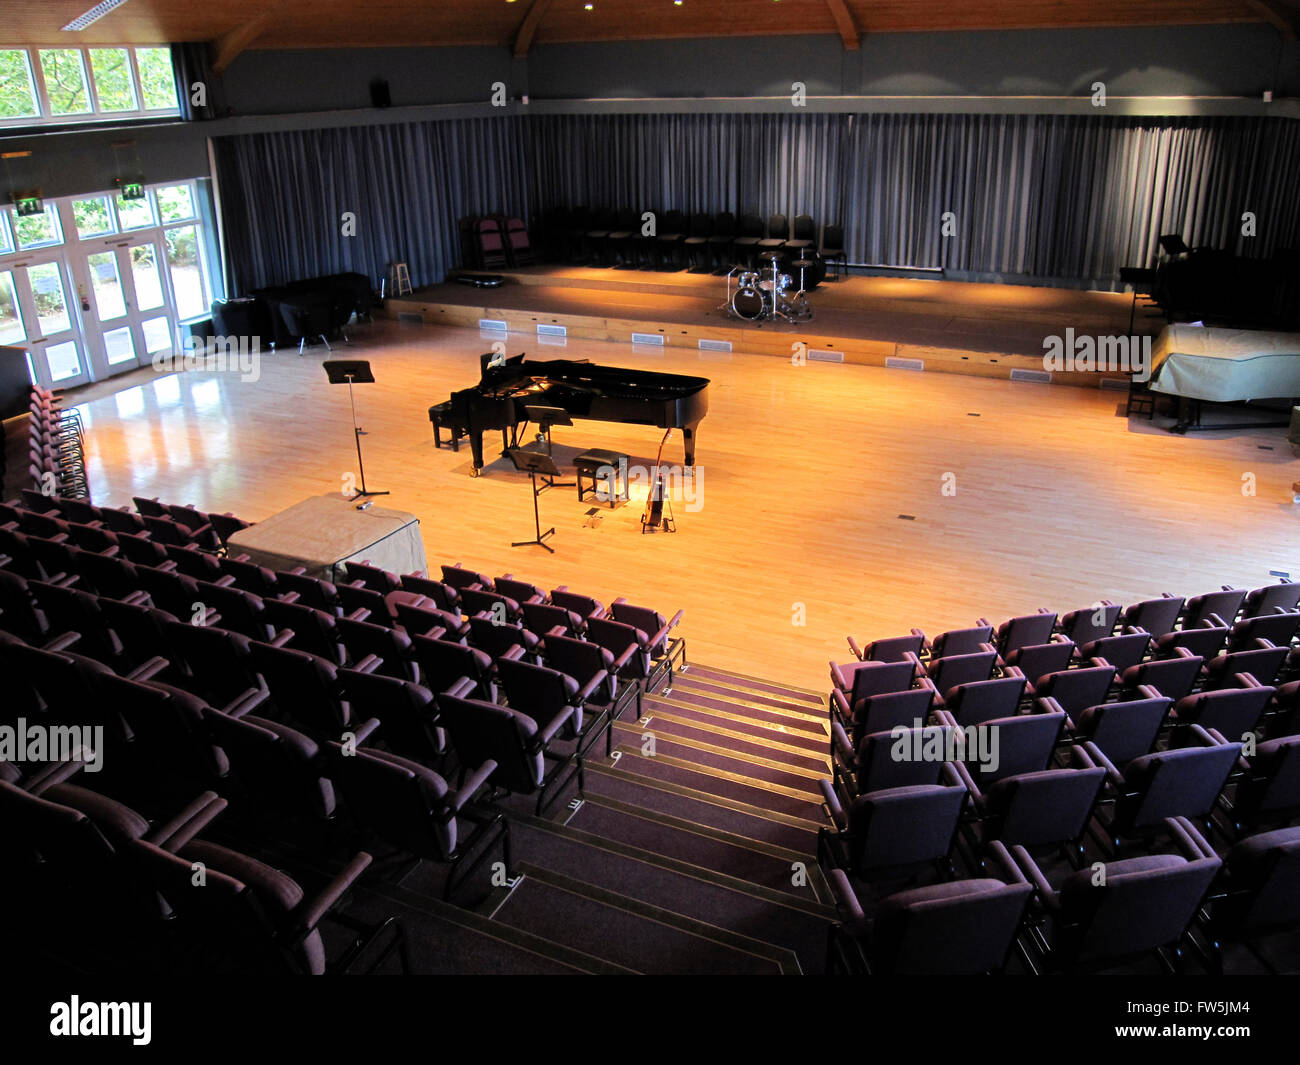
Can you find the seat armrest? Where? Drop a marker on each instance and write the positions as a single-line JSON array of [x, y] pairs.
[[178, 830], [1000, 859], [360, 614], [547, 733], [54, 773], [461, 688], [833, 806], [841, 704], [623, 659], [246, 702], [365, 730], [668, 627], [962, 774], [846, 900], [514, 652], [150, 669], [585, 692], [840, 742], [1188, 840], [369, 664], [853, 646], [282, 637], [1029, 868], [1091, 756], [470, 788], [329, 896], [62, 642]]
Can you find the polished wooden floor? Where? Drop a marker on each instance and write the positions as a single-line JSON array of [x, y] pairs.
[[833, 498]]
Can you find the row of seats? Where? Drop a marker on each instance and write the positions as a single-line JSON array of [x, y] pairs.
[[700, 242], [490, 242], [1170, 722], [370, 702], [56, 447]]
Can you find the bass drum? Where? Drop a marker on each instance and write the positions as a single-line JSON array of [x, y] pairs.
[[748, 303]]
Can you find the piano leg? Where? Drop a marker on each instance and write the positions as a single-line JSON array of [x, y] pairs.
[[688, 435], [476, 446]]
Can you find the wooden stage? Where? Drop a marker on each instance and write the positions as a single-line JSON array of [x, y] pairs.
[[982, 330], [834, 498]]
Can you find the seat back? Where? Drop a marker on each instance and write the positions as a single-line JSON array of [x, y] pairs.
[[481, 731], [1173, 677], [893, 648], [399, 800], [1036, 660], [985, 700], [647, 621], [1233, 712], [276, 765], [887, 710], [1122, 651], [219, 662], [903, 826], [303, 687], [950, 671], [443, 662], [1048, 806], [1076, 689], [1126, 730], [1267, 867], [1024, 745], [616, 638], [1269, 598], [1224, 604], [539, 691], [961, 641], [1279, 629], [962, 928], [1178, 783], [405, 710], [877, 678], [1025, 630], [1145, 903], [1273, 785], [1262, 663], [886, 759], [1156, 616]]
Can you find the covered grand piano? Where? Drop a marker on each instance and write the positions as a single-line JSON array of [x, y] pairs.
[[583, 389]]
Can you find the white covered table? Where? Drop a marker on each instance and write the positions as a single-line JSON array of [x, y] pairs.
[[325, 532]]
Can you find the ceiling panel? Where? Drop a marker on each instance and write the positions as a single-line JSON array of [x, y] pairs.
[[350, 23]]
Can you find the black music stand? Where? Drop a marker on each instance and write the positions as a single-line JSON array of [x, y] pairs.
[[545, 417], [348, 371], [533, 463]]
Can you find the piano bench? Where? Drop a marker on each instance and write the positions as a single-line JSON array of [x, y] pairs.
[[589, 466], [440, 416]]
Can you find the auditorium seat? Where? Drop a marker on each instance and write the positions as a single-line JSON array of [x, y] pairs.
[[963, 928], [406, 712], [1024, 630], [1145, 907], [543, 693], [1234, 712], [1124, 730], [444, 662], [1156, 616], [1284, 595]]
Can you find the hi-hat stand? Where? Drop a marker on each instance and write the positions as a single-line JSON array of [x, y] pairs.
[[349, 371], [534, 463]]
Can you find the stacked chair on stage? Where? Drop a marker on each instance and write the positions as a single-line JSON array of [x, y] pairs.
[[1111, 787], [56, 447], [408, 715]]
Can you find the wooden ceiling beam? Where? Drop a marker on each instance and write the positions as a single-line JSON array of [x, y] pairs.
[[528, 28], [226, 48], [844, 23], [1282, 17]]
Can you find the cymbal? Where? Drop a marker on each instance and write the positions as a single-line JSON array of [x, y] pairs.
[[769, 255]]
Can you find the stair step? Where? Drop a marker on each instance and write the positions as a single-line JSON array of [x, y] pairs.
[[701, 897], [704, 807], [670, 740], [801, 804], [796, 723], [744, 697], [664, 719], [629, 933], [742, 726], [743, 680]]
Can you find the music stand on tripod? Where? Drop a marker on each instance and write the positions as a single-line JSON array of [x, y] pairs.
[[545, 417], [348, 371], [533, 463]]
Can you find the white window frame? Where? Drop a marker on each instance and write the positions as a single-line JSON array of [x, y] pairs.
[[96, 113]]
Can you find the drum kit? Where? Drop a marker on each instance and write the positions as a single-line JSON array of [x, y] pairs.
[[769, 293]]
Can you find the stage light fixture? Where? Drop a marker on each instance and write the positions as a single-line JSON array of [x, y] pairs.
[[93, 15]]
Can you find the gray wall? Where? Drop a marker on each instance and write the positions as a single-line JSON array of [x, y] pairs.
[[302, 87], [1234, 60]]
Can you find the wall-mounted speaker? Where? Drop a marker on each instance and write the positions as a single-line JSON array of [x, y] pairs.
[[379, 94]]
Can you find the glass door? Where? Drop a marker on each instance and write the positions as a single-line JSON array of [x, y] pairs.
[[126, 308], [40, 317]]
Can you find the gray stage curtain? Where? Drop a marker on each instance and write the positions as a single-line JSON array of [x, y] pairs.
[[283, 196], [1070, 198]]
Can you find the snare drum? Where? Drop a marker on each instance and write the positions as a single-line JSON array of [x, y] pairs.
[[747, 279]]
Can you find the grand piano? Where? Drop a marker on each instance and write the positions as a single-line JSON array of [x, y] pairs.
[[583, 389]]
